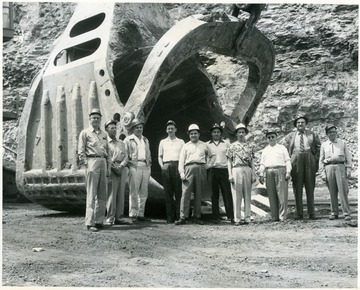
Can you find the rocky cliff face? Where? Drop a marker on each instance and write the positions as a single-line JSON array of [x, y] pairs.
[[316, 70]]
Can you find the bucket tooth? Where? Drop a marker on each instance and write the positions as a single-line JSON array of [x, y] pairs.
[[61, 128], [77, 122], [46, 130], [93, 97]]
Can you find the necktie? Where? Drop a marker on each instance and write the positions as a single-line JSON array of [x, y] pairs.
[[302, 147]]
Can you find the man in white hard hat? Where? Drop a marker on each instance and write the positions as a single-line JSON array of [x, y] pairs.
[[94, 154], [139, 155], [195, 158], [241, 173], [169, 152]]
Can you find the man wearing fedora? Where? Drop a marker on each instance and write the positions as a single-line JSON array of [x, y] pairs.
[[241, 170], [335, 168], [118, 178], [94, 154], [168, 157], [303, 146], [139, 155], [218, 174], [275, 166], [195, 158]]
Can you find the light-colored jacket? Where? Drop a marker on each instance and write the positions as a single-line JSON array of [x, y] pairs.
[[132, 149]]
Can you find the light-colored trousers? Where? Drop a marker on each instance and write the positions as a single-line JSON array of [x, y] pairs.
[[337, 184], [116, 195], [241, 189], [195, 181], [96, 191], [138, 189], [277, 189]]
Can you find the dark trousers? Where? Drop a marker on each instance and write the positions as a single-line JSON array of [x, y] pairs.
[[172, 187], [303, 173], [219, 178]]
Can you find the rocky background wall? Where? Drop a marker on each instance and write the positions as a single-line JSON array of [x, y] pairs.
[[316, 70]]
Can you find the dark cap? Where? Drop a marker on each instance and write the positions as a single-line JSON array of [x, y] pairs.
[[270, 131], [328, 127], [110, 122], [170, 122], [301, 117], [216, 126], [95, 111]]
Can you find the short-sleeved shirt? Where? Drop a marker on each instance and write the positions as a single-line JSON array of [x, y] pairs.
[[219, 150], [198, 152], [273, 156], [336, 151], [169, 149], [240, 154]]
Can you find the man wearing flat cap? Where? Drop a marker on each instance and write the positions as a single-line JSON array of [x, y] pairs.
[[94, 154], [118, 178], [139, 155], [195, 158], [275, 166], [241, 170], [218, 174], [168, 157], [335, 168], [303, 146]]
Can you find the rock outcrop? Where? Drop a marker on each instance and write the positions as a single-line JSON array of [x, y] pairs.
[[316, 70]]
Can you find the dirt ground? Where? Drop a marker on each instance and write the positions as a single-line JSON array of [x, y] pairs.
[[263, 254]]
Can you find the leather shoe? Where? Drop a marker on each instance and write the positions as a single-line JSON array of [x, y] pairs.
[[92, 229], [312, 217], [180, 222], [99, 226], [143, 219], [198, 221], [216, 221], [347, 218], [333, 217], [121, 222], [236, 224], [299, 217]]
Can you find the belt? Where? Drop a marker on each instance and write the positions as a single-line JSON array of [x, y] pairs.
[[142, 160], [335, 162], [298, 151], [117, 161], [241, 165], [94, 156], [195, 163], [172, 161], [275, 167]]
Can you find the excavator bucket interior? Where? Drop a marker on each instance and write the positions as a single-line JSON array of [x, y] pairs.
[[106, 60]]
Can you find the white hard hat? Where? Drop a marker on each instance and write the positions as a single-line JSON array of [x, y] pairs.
[[193, 127], [241, 126]]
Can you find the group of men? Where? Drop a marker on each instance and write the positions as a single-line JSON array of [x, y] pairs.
[[196, 167]]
